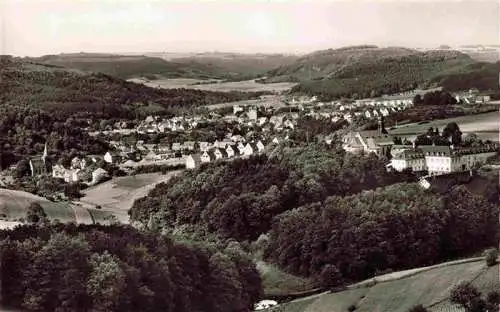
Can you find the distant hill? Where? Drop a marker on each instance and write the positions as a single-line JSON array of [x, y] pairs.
[[24, 83], [131, 66], [369, 71], [234, 66]]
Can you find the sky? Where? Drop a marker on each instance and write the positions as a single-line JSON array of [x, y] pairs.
[[38, 27]]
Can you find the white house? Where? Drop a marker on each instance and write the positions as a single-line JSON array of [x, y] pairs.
[[230, 151], [260, 146], [207, 157], [98, 175], [77, 163], [111, 157], [252, 114], [193, 161], [413, 159], [58, 171]]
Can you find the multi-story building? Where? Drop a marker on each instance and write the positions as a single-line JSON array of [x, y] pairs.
[[439, 160]]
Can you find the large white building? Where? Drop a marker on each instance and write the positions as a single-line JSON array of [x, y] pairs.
[[439, 160]]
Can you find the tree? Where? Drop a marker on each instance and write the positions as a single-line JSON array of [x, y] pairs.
[[465, 295], [492, 300], [417, 99], [22, 168], [35, 213], [491, 257], [72, 191], [106, 282], [418, 308], [330, 276], [452, 131]]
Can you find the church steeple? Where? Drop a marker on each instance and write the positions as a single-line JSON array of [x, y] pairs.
[[45, 153]]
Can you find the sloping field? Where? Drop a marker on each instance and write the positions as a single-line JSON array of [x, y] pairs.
[[430, 288], [118, 195], [13, 205]]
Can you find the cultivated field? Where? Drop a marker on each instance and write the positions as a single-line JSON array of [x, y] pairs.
[[430, 288], [244, 86], [118, 195], [486, 126]]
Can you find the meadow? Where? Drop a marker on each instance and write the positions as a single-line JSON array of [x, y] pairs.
[[116, 196], [430, 288]]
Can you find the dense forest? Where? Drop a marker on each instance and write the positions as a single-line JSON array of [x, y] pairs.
[[239, 199], [392, 228], [26, 130], [66, 93], [116, 268], [368, 71], [319, 212]]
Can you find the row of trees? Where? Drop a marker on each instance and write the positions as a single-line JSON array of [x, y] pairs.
[[116, 268]]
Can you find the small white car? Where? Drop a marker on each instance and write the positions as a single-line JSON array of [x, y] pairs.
[[264, 304]]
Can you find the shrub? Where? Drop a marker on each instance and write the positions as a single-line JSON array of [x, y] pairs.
[[491, 257], [351, 308]]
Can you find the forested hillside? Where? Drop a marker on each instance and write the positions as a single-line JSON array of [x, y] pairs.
[[368, 71], [240, 66], [239, 199], [116, 268], [65, 93], [318, 212], [125, 67]]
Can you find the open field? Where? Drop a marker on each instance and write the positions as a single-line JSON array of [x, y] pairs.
[[486, 126], [430, 288], [14, 204], [244, 86], [118, 195]]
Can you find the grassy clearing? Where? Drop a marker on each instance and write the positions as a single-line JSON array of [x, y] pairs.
[[278, 282], [427, 288]]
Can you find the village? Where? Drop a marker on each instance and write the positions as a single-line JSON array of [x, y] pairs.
[[259, 130]]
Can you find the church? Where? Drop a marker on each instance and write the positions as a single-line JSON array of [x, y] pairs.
[[40, 166]]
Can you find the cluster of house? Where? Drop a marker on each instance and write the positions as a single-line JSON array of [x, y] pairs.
[[225, 150], [80, 169], [436, 160], [155, 124]]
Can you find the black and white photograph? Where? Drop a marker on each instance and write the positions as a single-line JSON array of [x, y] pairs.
[[249, 155]]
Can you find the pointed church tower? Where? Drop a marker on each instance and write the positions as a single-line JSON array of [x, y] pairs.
[[45, 153]]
